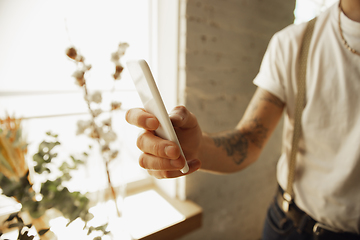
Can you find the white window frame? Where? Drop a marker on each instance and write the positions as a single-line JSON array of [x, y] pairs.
[[167, 61]]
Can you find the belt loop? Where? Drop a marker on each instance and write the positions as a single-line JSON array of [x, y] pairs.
[[321, 231], [317, 231]]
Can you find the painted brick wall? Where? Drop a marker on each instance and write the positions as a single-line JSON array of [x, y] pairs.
[[224, 42]]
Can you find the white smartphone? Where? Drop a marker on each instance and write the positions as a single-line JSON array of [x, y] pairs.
[[150, 96]]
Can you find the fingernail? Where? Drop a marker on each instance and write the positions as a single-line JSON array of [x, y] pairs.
[[151, 123], [174, 115], [170, 151], [178, 163]]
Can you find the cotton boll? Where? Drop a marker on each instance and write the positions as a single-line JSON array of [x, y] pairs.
[[96, 97], [97, 112], [109, 136], [82, 126]]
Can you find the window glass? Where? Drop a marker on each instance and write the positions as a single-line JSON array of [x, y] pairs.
[[36, 82]]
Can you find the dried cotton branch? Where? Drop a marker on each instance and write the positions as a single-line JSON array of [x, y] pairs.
[[102, 132]]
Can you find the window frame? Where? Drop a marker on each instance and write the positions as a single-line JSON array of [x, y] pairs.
[[164, 61], [167, 61]]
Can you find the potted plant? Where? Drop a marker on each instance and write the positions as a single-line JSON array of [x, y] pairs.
[[15, 182]]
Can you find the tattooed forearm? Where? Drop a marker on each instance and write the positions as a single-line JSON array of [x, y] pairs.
[[257, 133], [236, 143]]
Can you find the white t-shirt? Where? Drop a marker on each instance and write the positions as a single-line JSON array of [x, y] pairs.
[[327, 181]]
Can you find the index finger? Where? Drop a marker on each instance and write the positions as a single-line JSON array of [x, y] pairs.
[[140, 118]]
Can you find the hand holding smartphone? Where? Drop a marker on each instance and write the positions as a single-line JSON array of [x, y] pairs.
[[150, 96]]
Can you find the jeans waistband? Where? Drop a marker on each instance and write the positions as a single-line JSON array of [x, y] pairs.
[[303, 222]]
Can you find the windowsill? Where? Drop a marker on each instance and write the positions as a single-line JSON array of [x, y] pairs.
[[191, 218], [148, 214]]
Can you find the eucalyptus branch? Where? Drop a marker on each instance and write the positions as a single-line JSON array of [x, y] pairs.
[[53, 194]]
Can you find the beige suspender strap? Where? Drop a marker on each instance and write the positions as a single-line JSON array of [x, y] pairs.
[[300, 104]]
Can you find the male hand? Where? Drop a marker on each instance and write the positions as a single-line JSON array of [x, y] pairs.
[[162, 158]]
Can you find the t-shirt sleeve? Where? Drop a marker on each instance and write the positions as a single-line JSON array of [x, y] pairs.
[[271, 74]]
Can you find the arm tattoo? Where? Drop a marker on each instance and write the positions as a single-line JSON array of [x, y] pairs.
[[257, 133], [236, 143]]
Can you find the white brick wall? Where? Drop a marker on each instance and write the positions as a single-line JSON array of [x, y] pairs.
[[221, 51]]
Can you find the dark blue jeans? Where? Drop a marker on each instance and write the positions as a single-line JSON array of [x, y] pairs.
[[278, 227]]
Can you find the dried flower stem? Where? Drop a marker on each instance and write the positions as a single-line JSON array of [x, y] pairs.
[[95, 133], [106, 161]]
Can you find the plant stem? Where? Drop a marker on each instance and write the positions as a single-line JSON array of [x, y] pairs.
[[113, 193]]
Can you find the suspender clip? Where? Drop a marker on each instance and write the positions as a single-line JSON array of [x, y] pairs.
[[287, 200]]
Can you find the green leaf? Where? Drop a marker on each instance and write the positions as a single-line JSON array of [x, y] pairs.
[[38, 158], [51, 134], [64, 167], [40, 166], [43, 231], [37, 213], [18, 224], [11, 217], [10, 188], [102, 227], [19, 219], [76, 162], [90, 230], [66, 176], [88, 216], [48, 145]]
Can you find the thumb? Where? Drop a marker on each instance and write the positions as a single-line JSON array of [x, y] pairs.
[[181, 117]]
